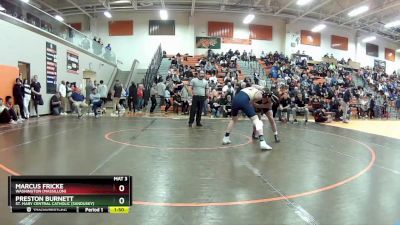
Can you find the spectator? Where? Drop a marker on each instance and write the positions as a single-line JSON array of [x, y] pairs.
[[108, 47], [346, 104], [18, 93], [174, 62], [5, 116], [56, 104], [320, 116], [226, 105], [103, 91], [262, 56], [96, 102], [300, 106], [161, 91], [228, 89], [62, 89], [27, 97], [14, 110], [117, 93], [185, 98], [177, 102], [167, 96], [153, 94], [284, 106], [88, 90], [213, 78], [132, 97], [78, 102], [140, 97], [215, 107], [36, 96]]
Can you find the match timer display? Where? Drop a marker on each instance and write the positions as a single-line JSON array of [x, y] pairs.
[[70, 194]]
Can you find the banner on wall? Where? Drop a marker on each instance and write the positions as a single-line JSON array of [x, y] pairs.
[[236, 41], [51, 68], [72, 62], [208, 42], [380, 64]]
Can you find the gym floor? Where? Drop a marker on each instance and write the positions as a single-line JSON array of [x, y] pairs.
[[317, 174]]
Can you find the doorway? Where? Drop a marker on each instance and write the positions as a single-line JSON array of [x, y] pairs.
[[24, 70]]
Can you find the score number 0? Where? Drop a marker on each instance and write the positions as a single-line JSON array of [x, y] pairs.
[[121, 200]]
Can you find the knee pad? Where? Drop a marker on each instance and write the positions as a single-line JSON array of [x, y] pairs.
[[258, 124]]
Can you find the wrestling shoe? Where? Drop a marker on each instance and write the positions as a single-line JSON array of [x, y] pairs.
[[226, 141], [264, 146], [277, 140]]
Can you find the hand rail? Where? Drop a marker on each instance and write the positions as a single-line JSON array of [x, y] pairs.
[[152, 72], [112, 77], [132, 72]]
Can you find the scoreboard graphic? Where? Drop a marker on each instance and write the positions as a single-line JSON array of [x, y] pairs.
[[69, 194]]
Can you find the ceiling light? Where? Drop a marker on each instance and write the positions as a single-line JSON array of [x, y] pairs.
[[121, 2], [107, 14], [318, 28], [2, 8], [248, 19], [358, 11], [26, 1], [59, 18], [393, 24], [303, 2], [368, 39], [163, 14]]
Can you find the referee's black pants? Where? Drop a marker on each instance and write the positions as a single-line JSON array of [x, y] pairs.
[[196, 109]]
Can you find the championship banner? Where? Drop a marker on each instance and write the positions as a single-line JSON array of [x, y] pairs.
[[208, 42], [51, 68], [72, 62], [236, 41]]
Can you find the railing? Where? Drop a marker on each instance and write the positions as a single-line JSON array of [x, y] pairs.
[[30, 15], [152, 72], [112, 78], [132, 73]]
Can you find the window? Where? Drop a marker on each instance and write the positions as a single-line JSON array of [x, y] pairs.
[[260, 32], [76, 26], [372, 50], [162, 27], [120, 28], [340, 43], [310, 38], [220, 29], [390, 54]]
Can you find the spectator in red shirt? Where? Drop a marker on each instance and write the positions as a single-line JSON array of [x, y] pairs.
[[140, 100]]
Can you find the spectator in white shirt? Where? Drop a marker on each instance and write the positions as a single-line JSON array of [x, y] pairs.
[[27, 97], [103, 91], [213, 78], [228, 89], [63, 94]]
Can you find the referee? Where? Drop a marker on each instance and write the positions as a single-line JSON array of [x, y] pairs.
[[199, 93]]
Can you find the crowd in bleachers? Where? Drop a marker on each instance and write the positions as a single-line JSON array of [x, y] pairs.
[[326, 89], [327, 83]]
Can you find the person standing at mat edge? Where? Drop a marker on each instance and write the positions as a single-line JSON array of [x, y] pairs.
[[117, 92], [199, 92], [36, 96]]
